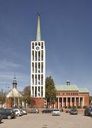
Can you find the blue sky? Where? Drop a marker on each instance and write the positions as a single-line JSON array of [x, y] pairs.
[[66, 27]]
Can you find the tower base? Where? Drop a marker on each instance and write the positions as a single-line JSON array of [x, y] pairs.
[[38, 102]]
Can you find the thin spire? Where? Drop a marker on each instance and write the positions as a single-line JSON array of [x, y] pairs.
[[38, 32]]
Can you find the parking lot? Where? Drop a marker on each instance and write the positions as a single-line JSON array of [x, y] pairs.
[[65, 120]]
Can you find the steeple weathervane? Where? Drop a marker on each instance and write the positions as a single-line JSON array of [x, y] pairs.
[[38, 32]]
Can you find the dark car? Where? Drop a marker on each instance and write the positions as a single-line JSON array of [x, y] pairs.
[[7, 113], [1, 118], [47, 110], [73, 111], [88, 111]]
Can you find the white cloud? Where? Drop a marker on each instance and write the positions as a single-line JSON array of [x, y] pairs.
[[5, 64]]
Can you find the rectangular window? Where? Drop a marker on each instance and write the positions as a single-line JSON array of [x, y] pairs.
[[38, 90], [32, 91], [32, 55], [42, 91], [41, 45], [35, 91], [32, 45]]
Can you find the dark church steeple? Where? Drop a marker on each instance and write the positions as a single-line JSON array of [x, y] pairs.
[[14, 83]]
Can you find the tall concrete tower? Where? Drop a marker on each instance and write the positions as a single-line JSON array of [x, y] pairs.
[[38, 64]]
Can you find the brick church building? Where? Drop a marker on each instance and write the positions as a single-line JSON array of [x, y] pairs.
[[69, 95]]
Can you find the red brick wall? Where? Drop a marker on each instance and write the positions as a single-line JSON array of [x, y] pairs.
[[9, 102], [37, 102], [86, 98], [75, 93]]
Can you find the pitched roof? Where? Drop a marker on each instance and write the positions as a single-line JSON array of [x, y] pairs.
[[71, 87], [14, 93], [67, 87], [83, 90]]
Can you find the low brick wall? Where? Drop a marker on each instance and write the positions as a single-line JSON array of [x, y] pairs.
[[37, 102]]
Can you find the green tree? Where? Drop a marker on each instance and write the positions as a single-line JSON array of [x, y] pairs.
[[50, 90], [26, 95], [2, 97]]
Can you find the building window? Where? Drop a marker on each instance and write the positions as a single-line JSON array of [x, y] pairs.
[[36, 91], [41, 45], [32, 45], [35, 43], [41, 91]]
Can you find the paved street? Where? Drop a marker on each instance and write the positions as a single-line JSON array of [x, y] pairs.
[[48, 121]]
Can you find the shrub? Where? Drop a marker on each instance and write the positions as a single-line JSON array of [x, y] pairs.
[[84, 106], [79, 107]]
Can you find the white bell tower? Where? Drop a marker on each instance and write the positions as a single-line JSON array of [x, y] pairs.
[[38, 65]]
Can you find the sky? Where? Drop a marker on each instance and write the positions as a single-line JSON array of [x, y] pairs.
[[66, 27]]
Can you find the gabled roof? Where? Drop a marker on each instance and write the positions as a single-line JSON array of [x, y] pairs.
[[14, 93]]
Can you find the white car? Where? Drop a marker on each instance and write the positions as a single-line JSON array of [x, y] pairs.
[[56, 112], [18, 112], [24, 111]]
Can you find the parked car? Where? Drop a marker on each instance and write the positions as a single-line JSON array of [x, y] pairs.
[[47, 110], [7, 113], [34, 110], [18, 112], [88, 111], [67, 110], [24, 112], [73, 111], [56, 112], [1, 118]]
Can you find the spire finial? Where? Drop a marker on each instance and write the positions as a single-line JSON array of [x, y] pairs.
[[38, 32]]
